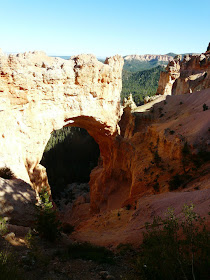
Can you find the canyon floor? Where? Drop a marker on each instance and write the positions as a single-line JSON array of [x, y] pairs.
[[39, 259]]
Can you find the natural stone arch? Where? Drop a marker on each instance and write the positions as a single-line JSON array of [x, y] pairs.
[[39, 94]]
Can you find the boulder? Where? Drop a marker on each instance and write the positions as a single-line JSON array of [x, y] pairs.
[[17, 202]]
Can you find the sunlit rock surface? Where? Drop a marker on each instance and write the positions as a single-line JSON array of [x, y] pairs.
[[192, 73], [140, 149], [39, 94]]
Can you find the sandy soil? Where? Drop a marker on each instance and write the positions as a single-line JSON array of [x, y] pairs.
[[126, 226]]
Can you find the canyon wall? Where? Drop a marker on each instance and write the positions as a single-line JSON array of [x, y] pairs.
[[149, 57], [141, 150], [192, 73], [168, 77], [39, 94], [149, 155]]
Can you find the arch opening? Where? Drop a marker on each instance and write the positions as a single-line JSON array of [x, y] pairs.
[[69, 157]]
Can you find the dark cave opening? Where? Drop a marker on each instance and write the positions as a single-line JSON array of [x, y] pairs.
[[69, 156]]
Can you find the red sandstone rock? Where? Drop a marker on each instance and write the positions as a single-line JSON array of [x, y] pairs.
[[131, 170]]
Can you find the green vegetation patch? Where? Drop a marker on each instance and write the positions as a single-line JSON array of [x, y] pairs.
[[3, 226], [135, 65], [47, 224], [8, 266], [140, 84], [166, 254]]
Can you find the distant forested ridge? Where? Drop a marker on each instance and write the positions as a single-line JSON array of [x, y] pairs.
[[140, 84], [136, 65]]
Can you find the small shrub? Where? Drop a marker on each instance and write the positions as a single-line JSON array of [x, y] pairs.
[[3, 226], [30, 240], [6, 173], [67, 228], [171, 132], [186, 156], [160, 109], [205, 107], [164, 255], [47, 223], [124, 249], [157, 158], [185, 149], [87, 251], [175, 182], [128, 207], [8, 267], [156, 187], [202, 157], [35, 255], [179, 180]]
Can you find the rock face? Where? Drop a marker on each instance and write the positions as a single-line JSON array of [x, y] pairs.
[[140, 153], [129, 102], [149, 57], [148, 154], [39, 94], [189, 75], [17, 201], [168, 77]]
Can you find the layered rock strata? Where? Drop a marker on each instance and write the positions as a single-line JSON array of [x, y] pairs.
[[39, 94], [140, 154], [185, 76], [168, 77], [149, 155], [149, 57]]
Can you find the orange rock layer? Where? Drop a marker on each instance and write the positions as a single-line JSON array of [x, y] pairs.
[[149, 152]]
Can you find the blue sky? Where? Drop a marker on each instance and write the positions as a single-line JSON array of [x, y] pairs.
[[104, 28]]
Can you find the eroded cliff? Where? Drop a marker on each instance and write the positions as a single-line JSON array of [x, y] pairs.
[[39, 94], [142, 152], [192, 73], [150, 152]]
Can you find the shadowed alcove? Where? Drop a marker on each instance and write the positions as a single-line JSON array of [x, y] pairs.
[[69, 156]]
